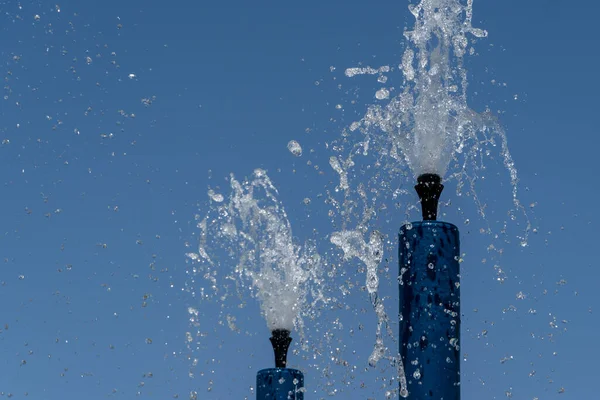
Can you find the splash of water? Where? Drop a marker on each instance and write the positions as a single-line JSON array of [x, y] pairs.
[[370, 253], [254, 229], [429, 126], [430, 120]]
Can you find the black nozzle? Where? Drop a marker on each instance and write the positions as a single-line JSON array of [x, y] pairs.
[[281, 342], [429, 188]]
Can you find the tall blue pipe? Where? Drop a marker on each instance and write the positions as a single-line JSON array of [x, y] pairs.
[[280, 383], [429, 279]]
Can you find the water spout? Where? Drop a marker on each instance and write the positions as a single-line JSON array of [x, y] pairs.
[[281, 342], [429, 189]]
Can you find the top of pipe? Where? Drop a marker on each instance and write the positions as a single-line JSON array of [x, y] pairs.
[[429, 188], [281, 342]]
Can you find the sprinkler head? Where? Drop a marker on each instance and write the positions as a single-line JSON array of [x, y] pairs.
[[429, 188], [281, 342]]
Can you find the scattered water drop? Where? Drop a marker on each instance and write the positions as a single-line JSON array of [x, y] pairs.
[[294, 148], [382, 94], [216, 197]]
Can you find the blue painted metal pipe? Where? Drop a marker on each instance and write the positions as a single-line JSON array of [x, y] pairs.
[[429, 280], [279, 384]]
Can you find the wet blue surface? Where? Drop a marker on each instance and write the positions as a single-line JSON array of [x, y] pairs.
[[279, 384], [430, 309]]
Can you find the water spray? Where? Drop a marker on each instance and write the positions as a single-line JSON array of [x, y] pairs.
[[280, 383], [429, 253]]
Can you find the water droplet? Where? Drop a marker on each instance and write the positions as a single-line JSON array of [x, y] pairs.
[[294, 148], [480, 33], [216, 197], [382, 94]]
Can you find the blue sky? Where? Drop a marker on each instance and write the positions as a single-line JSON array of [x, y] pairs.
[[106, 160]]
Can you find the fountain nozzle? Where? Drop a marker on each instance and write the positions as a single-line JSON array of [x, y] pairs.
[[429, 188], [281, 342]]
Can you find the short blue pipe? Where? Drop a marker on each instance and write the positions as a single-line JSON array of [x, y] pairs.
[[279, 384], [429, 253]]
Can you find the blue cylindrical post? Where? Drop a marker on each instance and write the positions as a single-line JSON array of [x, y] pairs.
[[279, 384], [430, 309]]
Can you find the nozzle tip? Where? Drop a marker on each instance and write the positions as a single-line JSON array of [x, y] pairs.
[[429, 188], [280, 340]]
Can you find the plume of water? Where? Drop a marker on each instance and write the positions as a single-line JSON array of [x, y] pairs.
[[430, 120], [428, 126], [254, 229]]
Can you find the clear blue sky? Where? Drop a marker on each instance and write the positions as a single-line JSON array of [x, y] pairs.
[[117, 116]]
